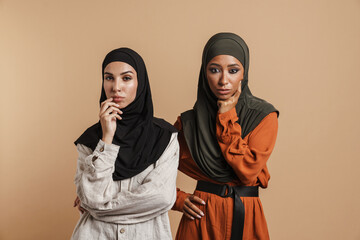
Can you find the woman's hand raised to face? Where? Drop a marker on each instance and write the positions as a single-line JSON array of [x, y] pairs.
[[109, 112], [230, 103]]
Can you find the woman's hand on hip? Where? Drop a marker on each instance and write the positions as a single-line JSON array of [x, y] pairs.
[[109, 112], [190, 209], [230, 103], [77, 203]]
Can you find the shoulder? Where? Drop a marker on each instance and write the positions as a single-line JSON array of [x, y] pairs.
[[83, 150], [268, 125], [261, 105], [172, 149], [164, 124], [90, 136]]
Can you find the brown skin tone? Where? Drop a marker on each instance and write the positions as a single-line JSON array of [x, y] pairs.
[[120, 85], [224, 74]]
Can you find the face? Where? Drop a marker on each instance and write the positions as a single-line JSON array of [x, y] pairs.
[[120, 83], [224, 74]]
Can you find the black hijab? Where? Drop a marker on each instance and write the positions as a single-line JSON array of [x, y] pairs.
[[199, 123], [142, 137]]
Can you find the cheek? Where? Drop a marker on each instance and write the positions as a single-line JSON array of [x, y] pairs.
[[132, 90], [212, 82], [237, 82], [107, 88]]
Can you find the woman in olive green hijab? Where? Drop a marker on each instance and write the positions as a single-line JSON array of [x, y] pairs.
[[225, 142]]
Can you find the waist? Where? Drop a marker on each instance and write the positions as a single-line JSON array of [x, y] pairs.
[[224, 190]]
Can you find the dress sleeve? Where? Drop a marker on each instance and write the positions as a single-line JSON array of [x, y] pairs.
[[180, 200], [95, 186], [247, 158]]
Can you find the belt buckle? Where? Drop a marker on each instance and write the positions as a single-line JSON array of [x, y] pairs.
[[229, 191]]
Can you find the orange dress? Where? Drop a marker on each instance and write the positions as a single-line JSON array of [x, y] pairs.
[[248, 159]]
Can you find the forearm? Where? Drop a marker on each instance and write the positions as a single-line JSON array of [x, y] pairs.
[[154, 196], [247, 158]]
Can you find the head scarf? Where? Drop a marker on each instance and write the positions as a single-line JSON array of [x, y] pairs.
[[141, 137], [199, 123]]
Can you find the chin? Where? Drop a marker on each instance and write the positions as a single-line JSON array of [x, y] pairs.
[[224, 97]]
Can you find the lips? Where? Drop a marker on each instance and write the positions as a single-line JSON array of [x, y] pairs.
[[223, 91], [118, 98]]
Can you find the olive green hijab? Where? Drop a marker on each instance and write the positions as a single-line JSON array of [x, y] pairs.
[[199, 123]]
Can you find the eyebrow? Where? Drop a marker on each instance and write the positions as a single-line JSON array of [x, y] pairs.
[[126, 72], [230, 65], [120, 73]]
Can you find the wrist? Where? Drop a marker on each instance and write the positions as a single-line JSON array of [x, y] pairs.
[[107, 139]]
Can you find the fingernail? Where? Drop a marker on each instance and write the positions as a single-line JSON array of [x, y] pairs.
[[192, 218], [203, 202], [198, 216], [201, 213]]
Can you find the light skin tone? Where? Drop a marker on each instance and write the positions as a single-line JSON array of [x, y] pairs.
[[120, 85], [224, 74]]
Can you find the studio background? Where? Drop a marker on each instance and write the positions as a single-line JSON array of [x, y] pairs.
[[305, 58]]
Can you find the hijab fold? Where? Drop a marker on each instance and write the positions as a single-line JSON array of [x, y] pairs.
[[199, 123], [142, 137]]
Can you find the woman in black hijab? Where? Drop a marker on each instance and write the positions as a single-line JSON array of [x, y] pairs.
[[225, 142], [127, 162]]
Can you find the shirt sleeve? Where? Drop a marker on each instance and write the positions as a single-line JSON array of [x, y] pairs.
[[180, 195], [95, 186], [247, 158]]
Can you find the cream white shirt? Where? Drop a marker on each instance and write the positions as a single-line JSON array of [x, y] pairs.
[[135, 208]]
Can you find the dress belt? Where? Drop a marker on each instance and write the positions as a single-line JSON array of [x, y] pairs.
[[235, 192]]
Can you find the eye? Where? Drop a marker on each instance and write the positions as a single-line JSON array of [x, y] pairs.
[[107, 77], [127, 78], [214, 70], [234, 70]]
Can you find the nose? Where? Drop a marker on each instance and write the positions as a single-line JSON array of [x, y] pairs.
[[117, 85], [223, 79]]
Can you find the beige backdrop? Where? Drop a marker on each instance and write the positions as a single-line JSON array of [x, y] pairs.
[[305, 58]]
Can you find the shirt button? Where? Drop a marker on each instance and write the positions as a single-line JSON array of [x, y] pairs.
[[102, 149], [94, 158], [122, 230]]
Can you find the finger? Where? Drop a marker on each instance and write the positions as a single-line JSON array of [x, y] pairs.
[[188, 215], [198, 200], [76, 201], [220, 103], [191, 211], [106, 104], [195, 199], [106, 101], [194, 208], [110, 110], [113, 116], [82, 210], [239, 87], [238, 91]]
